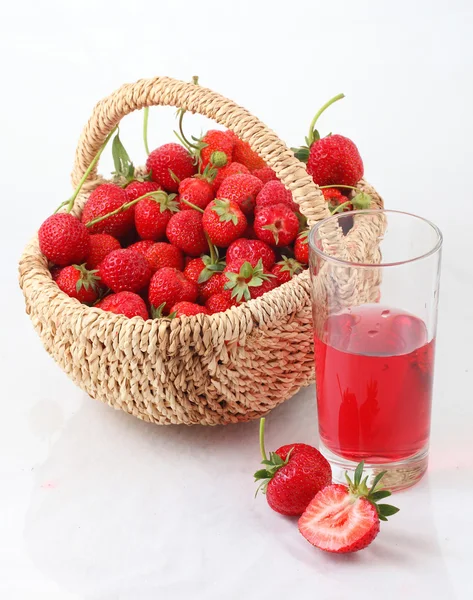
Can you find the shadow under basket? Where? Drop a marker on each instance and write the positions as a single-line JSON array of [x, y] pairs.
[[209, 370]]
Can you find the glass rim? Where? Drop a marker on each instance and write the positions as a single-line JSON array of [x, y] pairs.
[[328, 257]]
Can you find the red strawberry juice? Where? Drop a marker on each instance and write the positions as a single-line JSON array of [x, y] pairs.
[[374, 371]]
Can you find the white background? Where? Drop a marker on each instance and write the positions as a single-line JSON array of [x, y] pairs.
[[96, 505]]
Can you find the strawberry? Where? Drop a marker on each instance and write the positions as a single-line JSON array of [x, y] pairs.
[[201, 269], [220, 302], [276, 225], [152, 215], [125, 303], [285, 270], [247, 282], [272, 193], [292, 476], [252, 251], [242, 153], [161, 255], [168, 287], [345, 518], [241, 189], [63, 239], [301, 247], [333, 159], [185, 231], [169, 164], [214, 285], [215, 141], [223, 222], [136, 189], [142, 246], [188, 309], [233, 168], [197, 191], [104, 199], [101, 244], [77, 282], [125, 270], [335, 199], [265, 174]]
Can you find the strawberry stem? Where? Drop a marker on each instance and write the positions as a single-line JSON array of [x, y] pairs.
[[145, 128], [70, 202], [311, 136], [261, 438], [192, 205], [122, 208], [340, 207]]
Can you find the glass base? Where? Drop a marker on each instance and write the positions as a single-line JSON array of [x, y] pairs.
[[400, 475]]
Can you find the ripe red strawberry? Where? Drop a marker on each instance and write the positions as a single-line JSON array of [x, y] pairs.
[[168, 287], [152, 215], [344, 518], [285, 270], [241, 189], [142, 246], [103, 200], [220, 302], [136, 189], [125, 270], [188, 309], [185, 231], [276, 225], [292, 476], [197, 191], [223, 222], [125, 303], [301, 247], [168, 163], [161, 255], [247, 282], [252, 251], [333, 159], [101, 244], [243, 154], [214, 285], [265, 174], [215, 141], [272, 193], [201, 269], [77, 282], [63, 239], [335, 199], [233, 168]]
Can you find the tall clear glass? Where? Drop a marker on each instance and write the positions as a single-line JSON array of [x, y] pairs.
[[375, 303]]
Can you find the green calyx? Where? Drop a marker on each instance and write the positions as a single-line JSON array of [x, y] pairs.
[[213, 264], [88, 279], [302, 153], [304, 236], [274, 230], [124, 168], [271, 464], [291, 265], [247, 277], [225, 211], [157, 312], [358, 489], [165, 201]]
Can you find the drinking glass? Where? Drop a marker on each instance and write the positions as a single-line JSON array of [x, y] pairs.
[[375, 298]]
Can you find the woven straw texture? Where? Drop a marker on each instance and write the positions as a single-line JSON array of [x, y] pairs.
[[209, 370]]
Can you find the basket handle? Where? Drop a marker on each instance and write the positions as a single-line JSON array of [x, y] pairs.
[[164, 91]]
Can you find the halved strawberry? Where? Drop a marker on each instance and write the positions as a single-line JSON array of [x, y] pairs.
[[344, 518]]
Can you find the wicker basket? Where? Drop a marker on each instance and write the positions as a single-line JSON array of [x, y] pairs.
[[209, 370]]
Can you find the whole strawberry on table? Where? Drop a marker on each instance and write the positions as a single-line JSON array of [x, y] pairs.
[[206, 226]]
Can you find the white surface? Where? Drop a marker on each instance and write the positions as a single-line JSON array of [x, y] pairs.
[[96, 505]]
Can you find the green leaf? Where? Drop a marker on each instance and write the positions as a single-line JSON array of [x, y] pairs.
[[246, 270], [377, 479], [386, 510], [261, 474], [301, 153], [375, 496], [121, 160], [174, 177], [358, 473]]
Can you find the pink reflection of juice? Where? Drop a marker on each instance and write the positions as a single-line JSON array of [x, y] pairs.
[[374, 370]]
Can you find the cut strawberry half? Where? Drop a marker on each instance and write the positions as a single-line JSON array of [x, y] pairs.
[[344, 518]]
